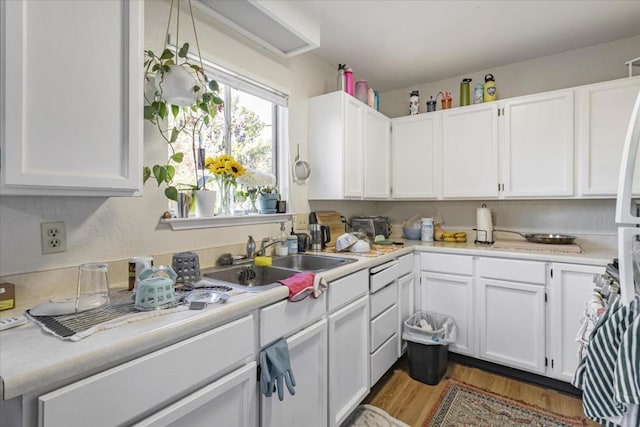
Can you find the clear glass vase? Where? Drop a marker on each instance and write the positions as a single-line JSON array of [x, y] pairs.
[[253, 198], [226, 198]]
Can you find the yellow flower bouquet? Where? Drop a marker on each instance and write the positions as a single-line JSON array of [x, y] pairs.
[[225, 170]]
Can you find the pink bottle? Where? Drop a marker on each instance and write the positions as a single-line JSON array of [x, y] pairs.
[[348, 77]]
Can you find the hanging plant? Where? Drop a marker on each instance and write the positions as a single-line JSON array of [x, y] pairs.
[[180, 88]]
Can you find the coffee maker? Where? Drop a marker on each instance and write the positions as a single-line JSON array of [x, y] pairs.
[[320, 236]]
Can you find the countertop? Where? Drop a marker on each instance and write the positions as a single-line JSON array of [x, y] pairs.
[[30, 359]]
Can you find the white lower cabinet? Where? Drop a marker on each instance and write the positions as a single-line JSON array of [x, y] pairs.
[[230, 401], [446, 287], [517, 313], [348, 359], [308, 407], [511, 312], [511, 324], [570, 286], [406, 289], [160, 387]]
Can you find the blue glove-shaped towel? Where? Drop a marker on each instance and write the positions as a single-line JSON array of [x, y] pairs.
[[275, 366]]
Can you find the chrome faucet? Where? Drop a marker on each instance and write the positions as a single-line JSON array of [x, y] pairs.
[[264, 244]]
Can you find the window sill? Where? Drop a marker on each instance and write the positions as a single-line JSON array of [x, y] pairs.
[[178, 224]]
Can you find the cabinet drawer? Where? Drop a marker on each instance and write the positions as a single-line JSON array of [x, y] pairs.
[[512, 270], [406, 264], [382, 327], [383, 359], [381, 276], [144, 385], [383, 299], [283, 318], [347, 289], [443, 263]]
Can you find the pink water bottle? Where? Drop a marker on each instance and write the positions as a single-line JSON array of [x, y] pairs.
[[348, 77]]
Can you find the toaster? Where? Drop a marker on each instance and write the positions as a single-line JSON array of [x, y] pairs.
[[372, 225]]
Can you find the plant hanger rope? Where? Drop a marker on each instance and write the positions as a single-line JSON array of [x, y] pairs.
[[193, 24]]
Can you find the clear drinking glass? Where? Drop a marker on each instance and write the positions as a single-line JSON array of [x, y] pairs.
[[93, 286]]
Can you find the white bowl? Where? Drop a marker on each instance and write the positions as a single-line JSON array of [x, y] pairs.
[[345, 241], [361, 246]]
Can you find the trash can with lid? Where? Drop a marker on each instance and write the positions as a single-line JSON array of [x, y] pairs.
[[428, 335]]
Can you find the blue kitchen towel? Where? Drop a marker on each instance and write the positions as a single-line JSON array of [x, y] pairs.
[[275, 366]]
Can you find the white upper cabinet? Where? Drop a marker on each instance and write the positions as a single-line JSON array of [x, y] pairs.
[[415, 157], [376, 154], [537, 145], [336, 147], [348, 149], [603, 111], [470, 152], [72, 98]]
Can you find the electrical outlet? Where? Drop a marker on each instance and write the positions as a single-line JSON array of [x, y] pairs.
[[302, 221], [53, 237]]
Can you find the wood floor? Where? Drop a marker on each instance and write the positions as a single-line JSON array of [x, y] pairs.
[[411, 401]]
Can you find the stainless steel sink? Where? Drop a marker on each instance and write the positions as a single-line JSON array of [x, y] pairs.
[[309, 262], [251, 276]]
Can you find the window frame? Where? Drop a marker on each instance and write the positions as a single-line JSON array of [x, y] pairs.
[[279, 99]]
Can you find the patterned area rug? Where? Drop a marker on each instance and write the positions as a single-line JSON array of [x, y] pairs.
[[461, 404], [371, 416]]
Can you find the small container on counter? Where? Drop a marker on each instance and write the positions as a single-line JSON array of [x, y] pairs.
[[282, 250], [292, 244], [426, 228]]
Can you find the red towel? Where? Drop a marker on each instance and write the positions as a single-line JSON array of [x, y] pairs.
[[300, 285]]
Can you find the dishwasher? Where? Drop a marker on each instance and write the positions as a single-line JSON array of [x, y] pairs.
[[384, 333]]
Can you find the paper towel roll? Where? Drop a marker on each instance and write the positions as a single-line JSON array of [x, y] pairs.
[[484, 225]]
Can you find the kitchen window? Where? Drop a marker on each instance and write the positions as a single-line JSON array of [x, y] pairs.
[[250, 126]]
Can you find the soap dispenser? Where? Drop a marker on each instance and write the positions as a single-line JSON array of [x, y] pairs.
[[251, 248]]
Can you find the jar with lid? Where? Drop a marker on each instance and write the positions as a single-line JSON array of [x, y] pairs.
[[292, 244], [426, 228]]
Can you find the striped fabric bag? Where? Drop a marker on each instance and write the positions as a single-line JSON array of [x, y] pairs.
[[598, 376]]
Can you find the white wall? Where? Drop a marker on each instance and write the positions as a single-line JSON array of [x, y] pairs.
[[106, 229], [573, 68]]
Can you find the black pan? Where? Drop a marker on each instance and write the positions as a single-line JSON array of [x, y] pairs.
[[553, 239]]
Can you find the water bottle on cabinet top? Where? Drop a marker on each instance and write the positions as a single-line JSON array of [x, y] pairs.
[[464, 92], [342, 84], [348, 80], [490, 90]]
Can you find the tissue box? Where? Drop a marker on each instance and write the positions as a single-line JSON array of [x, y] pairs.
[[7, 296]]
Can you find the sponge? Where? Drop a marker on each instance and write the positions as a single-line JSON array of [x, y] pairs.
[[263, 261]]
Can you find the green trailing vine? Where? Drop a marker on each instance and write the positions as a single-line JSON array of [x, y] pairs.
[[157, 109]]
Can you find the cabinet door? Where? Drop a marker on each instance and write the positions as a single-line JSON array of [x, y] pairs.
[[415, 157], [348, 359], [230, 401], [537, 149], [603, 111], [470, 152], [405, 305], [72, 126], [353, 148], [308, 356], [376, 155], [570, 286], [511, 324], [451, 295]]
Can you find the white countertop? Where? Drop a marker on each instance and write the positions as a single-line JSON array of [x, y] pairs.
[[31, 359]]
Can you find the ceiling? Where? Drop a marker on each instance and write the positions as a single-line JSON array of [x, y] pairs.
[[399, 43]]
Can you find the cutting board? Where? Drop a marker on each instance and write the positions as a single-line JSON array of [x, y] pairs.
[[540, 247], [333, 220]]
